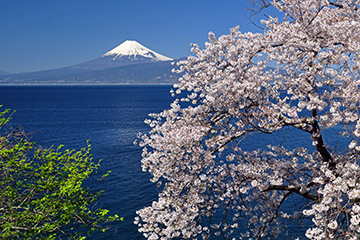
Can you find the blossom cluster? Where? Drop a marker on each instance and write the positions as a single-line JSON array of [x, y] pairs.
[[302, 72]]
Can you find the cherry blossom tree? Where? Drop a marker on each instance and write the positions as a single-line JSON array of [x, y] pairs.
[[301, 73]]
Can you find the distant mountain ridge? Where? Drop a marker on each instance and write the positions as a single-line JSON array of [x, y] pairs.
[[2, 72], [117, 65]]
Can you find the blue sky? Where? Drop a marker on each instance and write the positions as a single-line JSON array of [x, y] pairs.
[[44, 34]]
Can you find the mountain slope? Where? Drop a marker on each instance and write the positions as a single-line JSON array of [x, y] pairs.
[[146, 73], [136, 50], [2, 72], [114, 66], [127, 53]]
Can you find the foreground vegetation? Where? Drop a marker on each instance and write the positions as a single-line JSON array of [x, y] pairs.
[[41, 190]]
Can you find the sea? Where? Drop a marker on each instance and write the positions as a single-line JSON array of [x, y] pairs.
[[110, 118]]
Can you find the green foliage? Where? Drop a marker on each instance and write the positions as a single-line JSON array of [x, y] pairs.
[[41, 193]]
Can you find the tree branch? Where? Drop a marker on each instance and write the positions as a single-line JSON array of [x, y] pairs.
[[293, 189], [320, 145], [336, 4], [262, 230]]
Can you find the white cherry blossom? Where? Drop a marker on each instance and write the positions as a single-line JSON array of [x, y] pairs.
[[301, 73]]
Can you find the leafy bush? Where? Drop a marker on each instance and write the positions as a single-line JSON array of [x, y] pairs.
[[41, 192]]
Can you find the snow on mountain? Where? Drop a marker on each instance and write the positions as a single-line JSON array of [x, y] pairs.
[[135, 50], [129, 63], [127, 53]]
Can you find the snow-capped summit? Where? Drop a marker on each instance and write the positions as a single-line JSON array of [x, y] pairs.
[[127, 53], [129, 63], [135, 50]]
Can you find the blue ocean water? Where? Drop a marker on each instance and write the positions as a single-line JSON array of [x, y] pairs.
[[110, 117]]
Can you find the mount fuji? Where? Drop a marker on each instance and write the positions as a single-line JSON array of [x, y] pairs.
[[128, 63], [134, 50], [127, 53]]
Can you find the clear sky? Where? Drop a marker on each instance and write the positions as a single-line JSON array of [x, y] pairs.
[[44, 34]]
